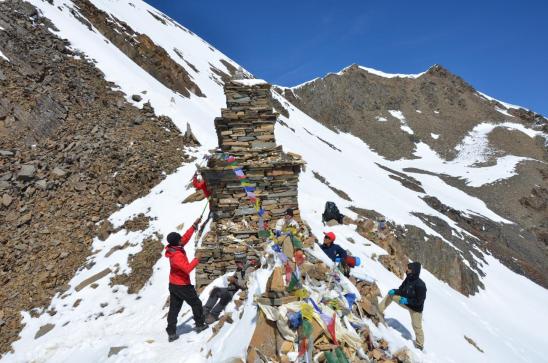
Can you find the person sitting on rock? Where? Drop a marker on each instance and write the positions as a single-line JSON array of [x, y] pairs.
[[335, 252], [180, 287], [285, 223], [219, 297], [410, 296]]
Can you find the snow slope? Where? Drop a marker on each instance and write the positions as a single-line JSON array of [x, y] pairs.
[[86, 332]]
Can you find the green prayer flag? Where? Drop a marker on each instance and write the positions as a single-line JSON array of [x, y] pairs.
[[330, 357], [293, 283], [307, 328]]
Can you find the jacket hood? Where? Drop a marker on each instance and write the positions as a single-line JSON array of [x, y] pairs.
[[171, 250], [415, 268]]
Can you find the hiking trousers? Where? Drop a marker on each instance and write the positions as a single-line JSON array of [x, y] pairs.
[[416, 318], [218, 300], [177, 295]]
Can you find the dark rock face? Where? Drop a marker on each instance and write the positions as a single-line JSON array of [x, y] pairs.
[[141, 49], [507, 242], [141, 265], [437, 256], [70, 154], [354, 100]]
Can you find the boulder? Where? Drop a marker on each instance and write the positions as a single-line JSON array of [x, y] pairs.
[[276, 281], [26, 173], [195, 197], [58, 172], [136, 98], [263, 342], [24, 219], [42, 184], [6, 200]]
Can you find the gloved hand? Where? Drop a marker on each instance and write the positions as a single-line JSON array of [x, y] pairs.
[[338, 259], [404, 301], [392, 292]]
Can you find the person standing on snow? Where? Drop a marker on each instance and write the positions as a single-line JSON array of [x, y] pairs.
[[410, 296], [180, 287]]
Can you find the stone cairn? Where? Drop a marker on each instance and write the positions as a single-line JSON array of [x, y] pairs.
[[246, 131]]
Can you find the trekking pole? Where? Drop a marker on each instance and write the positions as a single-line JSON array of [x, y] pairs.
[[205, 206], [201, 229]]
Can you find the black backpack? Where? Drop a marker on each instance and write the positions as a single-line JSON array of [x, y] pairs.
[[331, 212]]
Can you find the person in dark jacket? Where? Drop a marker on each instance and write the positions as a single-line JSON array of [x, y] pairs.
[[335, 252], [219, 297], [180, 287], [410, 295]]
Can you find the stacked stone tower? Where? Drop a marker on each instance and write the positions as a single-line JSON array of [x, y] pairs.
[[245, 131]]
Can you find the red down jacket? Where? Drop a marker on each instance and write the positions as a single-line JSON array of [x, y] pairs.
[[201, 185], [179, 273]]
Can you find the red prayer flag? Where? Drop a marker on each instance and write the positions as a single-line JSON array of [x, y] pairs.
[[303, 346], [331, 329], [288, 271]]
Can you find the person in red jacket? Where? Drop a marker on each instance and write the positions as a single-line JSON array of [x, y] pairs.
[[180, 287], [200, 185]]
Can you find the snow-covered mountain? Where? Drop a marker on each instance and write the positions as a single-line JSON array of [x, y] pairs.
[[504, 316]]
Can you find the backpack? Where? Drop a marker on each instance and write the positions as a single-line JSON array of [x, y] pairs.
[[331, 212]]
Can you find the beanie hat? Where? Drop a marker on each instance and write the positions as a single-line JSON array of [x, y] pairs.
[[173, 238], [289, 212], [330, 235]]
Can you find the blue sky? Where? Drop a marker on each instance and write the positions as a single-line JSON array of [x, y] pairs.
[[500, 47]]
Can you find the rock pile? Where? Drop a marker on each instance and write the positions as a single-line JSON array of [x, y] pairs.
[[71, 152], [246, 132]]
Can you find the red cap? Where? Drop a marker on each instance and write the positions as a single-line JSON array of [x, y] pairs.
[[331, 235]]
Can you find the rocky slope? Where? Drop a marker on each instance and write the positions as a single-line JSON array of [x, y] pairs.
[[115, 299], [394, 114], [72, 151]]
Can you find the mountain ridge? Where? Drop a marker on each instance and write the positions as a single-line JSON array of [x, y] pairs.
[[95, 306]]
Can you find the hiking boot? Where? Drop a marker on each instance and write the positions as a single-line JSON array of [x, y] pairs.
[[210, 319], [419, 347], [201, 327], [172, 337]]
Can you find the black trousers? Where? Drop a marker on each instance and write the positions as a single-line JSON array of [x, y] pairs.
[[218, 300], [177, 295]]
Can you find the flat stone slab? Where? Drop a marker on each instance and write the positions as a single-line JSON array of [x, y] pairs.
[[92, 279], [278, 301], [44, 329]]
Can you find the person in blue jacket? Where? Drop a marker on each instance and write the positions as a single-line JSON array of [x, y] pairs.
[[335, 252]]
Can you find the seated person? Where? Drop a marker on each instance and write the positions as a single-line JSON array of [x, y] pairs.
[[286, 222], [335, 252], [221, 296]]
